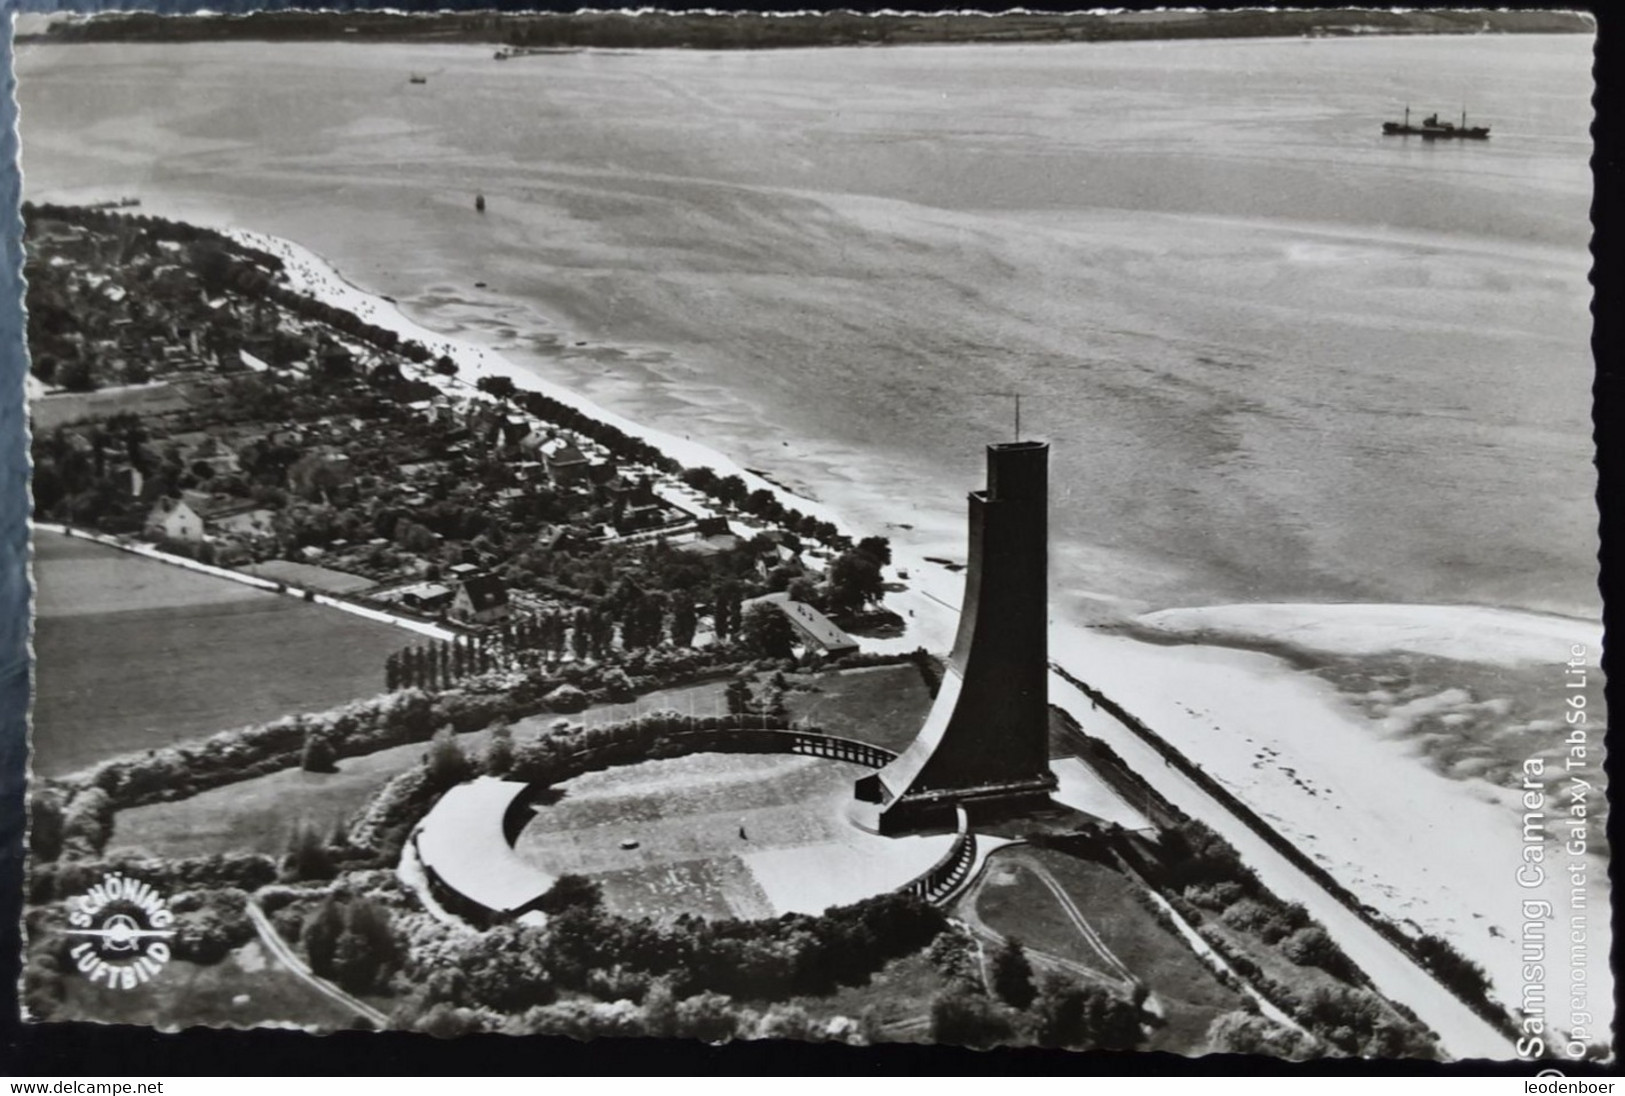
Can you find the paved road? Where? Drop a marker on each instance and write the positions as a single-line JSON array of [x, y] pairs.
[[1462, 1032]]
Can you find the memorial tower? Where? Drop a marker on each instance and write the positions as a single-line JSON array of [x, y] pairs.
[[986, 739]]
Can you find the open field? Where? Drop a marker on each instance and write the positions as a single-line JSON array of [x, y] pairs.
[[246, 989], [260, 814], [881, 705], [1013, 900], [743, 835], [308, 576], [133, 653], [898, 998], [62, 408]]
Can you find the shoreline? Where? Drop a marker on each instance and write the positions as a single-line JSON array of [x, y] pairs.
[[1144, 676]]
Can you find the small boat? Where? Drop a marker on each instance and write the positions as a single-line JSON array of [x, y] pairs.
[[479, 203], [1432, 129], [416, 79]]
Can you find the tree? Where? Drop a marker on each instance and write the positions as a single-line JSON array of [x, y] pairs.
[[876, 548], [854, 581], [725, 616], [766, 632], [447, 764], [962, 1018], [308, 857], [1013, 974], [1249, 1033], [739, 696], [499, 751], [571, 891], [566, 698], [44, 827], [708, 1016], [445, 366], [318, 755], [684, 621], [320, 934], [75, 376], [1080, 1016], [502, 388], [365, 952]]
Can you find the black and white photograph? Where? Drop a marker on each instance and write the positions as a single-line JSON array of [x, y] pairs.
[[1030, 530]]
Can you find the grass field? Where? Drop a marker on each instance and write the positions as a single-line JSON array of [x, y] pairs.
[[1021, 905], [742, 835], [49, 412], [881, 705], [898, 998], [134, 654], [259, 815], [243, 990], [307, 576]]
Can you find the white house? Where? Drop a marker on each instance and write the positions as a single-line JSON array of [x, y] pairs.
[[173, 519]]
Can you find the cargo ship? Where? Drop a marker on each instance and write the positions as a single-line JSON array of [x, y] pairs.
[[1432, 129]]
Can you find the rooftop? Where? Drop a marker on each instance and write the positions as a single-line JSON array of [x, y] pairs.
[[463, 841]]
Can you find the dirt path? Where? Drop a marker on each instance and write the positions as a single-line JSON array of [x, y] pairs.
[[279, 948]]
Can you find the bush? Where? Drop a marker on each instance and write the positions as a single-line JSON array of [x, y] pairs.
[[366, 952], [566, 698], [46, 825], [571, 892], [88, 822], [67, 878], [498, 759], [209, 925], [1249, 1033], [1080, 1016], [962, 1018], [318, 755], [308, 857], [447, 765], [955, 956]]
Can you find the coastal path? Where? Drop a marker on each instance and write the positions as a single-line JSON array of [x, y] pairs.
[[1462, 1032]]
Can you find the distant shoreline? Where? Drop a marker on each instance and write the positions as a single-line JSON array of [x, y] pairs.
[[551, 32]]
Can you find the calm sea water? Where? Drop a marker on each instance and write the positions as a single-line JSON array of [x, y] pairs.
[[1279, 355]]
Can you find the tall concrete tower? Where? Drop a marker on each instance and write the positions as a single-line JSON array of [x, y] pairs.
[[986, 740]]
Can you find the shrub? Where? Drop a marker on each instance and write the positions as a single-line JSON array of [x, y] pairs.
[[1077, 1015], [308, 857], [566, 698], [318, 755], [209, 924], [447, 764], [88, 822], [1250, 1033], [571, 892], [46, 825], [962, 1018], [498, 759], [954, 954]]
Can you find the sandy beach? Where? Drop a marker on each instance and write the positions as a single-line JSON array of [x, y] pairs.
[[1414, 845], [1320, 413]]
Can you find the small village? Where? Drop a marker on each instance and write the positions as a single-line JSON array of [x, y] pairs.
[[179, 400]]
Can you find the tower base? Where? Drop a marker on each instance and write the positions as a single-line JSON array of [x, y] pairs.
[[925, 812]]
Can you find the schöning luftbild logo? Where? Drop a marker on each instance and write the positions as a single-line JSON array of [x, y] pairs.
[[126, 925]]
